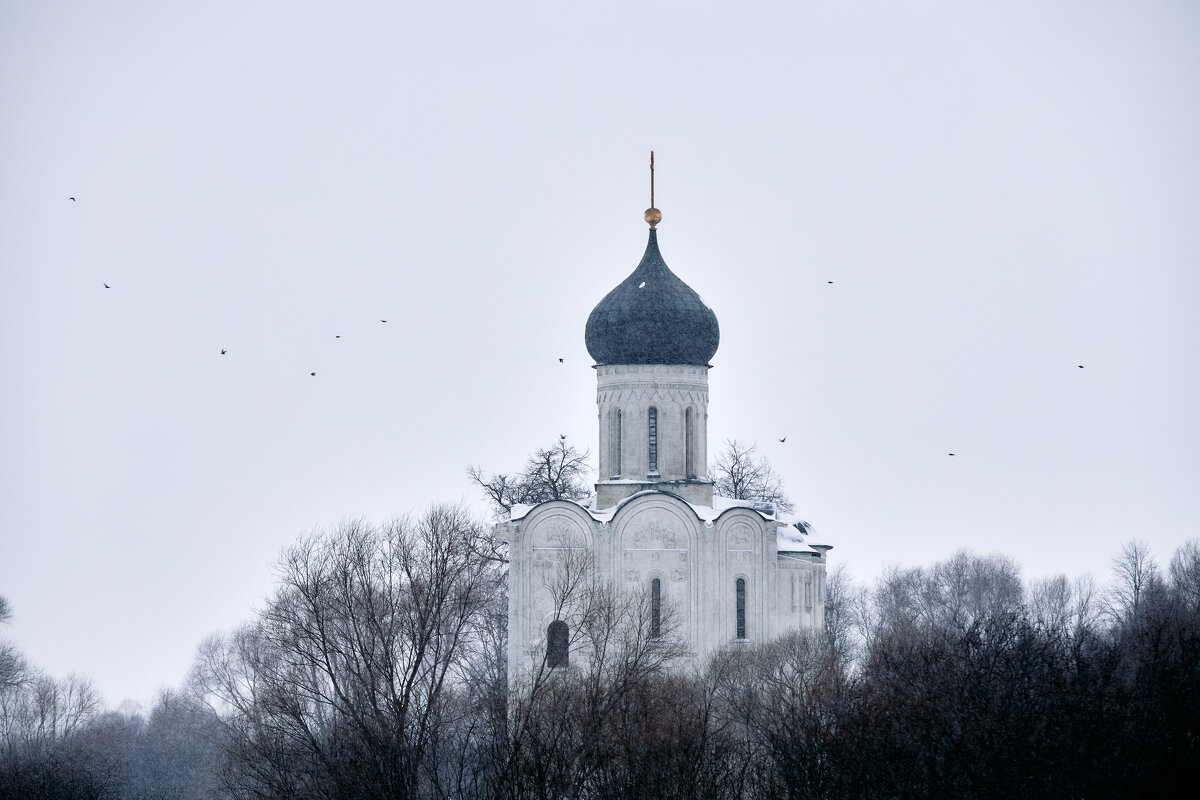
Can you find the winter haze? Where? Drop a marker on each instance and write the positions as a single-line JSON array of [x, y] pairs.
[[913, 223]]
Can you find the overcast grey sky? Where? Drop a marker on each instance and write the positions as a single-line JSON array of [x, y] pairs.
[[999, 193]]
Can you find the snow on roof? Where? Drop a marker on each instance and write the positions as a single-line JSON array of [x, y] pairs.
[[798, 535], [792, 534], [706, 513]]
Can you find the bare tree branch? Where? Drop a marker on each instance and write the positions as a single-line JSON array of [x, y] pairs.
[[741, 475], [555, 473]]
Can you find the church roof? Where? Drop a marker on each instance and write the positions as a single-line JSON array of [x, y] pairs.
[[652, 317], [793, 535]]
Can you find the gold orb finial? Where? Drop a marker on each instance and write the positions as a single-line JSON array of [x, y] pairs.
[[653, 215]]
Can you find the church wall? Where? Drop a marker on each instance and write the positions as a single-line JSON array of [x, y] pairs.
[[799, 597], [538, 547], [697, 563], [744, 548], [658, 536]]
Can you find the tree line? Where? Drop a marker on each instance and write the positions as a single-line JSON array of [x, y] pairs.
[[378, 669]]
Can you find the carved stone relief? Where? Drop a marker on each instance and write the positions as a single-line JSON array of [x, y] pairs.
[[655, 533], [561, 534]]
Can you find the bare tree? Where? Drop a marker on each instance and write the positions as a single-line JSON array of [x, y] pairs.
[[339, 687], [555, 473], [1185, 573], [780, 698], [739, 474], [1135, 573], [845, 612], [1051, 601], [12, 665], [43, 711], [572, 729]]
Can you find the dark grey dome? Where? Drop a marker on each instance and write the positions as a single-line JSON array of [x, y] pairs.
[[652, 317]]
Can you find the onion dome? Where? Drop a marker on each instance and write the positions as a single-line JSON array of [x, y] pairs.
[[652, 317]]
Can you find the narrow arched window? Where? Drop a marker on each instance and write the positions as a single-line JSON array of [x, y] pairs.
[[655, 608], [617, 446], [689, 443], [741, 608], [653, 425], [557, 644]]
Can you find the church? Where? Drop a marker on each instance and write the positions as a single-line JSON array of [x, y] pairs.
[[732, 572]]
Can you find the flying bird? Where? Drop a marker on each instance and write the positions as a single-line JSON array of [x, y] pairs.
[[313, 374], [829, 281], [562, 436], [222, 352], [949, 454], [784, 439], [106, 286], [383, 320], [338, 336], [1081, 366], [560, 361], [72, 199]]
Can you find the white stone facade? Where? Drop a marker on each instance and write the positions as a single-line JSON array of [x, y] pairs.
[[697, 553], [654, 516]]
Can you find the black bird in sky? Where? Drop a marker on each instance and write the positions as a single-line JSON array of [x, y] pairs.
[[313, 374], [562, 436], [222, 352], [338, 336], [72, 199], [383, 320], [560, 361], [949, 454], [106, 286], [784, 439], [1081, 366], [829, 281]]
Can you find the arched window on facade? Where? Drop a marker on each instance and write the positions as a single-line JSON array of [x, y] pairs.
[[557, 644], [616, 443], [741, 608], [689, 443], [653, 431], [655, 608]]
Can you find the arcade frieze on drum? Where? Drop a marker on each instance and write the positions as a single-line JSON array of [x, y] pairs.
[[683, 395]]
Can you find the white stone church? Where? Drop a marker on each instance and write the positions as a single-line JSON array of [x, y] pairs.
[[732, 571]]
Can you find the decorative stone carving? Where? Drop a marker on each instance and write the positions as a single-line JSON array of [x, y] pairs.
[[678, 575], [655, 534], [563, 536]]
